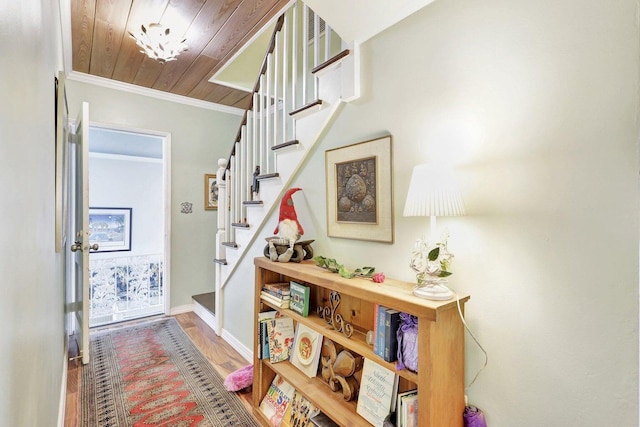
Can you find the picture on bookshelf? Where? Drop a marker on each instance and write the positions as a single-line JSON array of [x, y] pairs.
[[378, 389], [300, 295], [306, 350]]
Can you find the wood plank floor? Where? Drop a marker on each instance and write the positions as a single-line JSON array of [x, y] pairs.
[[221, 355]]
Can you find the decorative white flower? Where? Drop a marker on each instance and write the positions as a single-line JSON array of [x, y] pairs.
[[431, 262]]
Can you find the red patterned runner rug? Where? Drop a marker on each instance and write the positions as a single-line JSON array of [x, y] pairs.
[[151, 374]]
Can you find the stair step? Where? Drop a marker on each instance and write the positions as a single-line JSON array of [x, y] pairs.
[[285, 145], [268, 176], [233, 245], [240, 225], [307, 109], [253, 203], [220, 261], [208, 301], [331, 61]]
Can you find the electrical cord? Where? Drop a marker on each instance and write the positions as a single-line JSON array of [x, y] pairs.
[[486, 356]]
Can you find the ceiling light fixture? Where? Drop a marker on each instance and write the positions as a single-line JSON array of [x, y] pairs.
[[157, 43]]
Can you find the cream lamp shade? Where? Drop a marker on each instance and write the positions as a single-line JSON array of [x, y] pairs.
[[433, 192]]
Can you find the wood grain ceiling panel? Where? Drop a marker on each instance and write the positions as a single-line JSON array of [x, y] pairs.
[[108, 30], [203, 28], [83, 12], [242, 23], [101, 44], [198, 71]]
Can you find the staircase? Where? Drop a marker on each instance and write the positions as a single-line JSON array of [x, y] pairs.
[[307, 74]]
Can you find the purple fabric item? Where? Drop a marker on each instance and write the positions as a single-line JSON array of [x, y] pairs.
[[473, 417], [407, 343]]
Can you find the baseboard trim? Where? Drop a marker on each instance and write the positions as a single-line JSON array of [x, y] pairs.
[[181, 309], [237, 346], [62, 405]]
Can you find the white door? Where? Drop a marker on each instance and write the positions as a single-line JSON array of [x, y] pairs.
[[80, 222]]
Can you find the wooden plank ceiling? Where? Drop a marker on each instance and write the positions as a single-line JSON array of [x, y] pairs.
[[214, 31]]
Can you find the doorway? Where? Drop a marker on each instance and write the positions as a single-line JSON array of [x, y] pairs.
[[128, 220]]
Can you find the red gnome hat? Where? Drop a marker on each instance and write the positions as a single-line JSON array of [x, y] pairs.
[[288, 211]]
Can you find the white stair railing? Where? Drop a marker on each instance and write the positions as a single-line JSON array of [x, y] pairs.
[[286, 89]]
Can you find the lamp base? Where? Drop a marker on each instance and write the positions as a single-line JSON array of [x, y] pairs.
[[433, 292]]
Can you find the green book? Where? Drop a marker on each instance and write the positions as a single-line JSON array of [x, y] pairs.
[[299, 298]]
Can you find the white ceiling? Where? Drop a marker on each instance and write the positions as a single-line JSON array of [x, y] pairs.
[[359, 20]]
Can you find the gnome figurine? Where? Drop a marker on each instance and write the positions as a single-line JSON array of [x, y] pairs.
[[288, 229]]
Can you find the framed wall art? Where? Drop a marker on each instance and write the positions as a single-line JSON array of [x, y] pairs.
[[359, 191], [62, 163], [210, 192], [110, 228]]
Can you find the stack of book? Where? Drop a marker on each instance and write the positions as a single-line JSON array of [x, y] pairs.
[[407, 409], [276, 294], [387, 322]]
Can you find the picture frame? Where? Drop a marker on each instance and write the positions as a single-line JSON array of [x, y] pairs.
[[359, 191], [210, 192], [61, 163], [110, 228]]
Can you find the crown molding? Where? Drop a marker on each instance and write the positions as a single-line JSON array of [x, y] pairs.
[[153, 93]]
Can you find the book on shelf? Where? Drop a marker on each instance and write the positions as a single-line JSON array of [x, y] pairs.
[[277, 302], [391, 324], [263, 341], [401, 407], [305, 353], [378, 347], [275, 294], [274, 404], [323, 420], [281, 334], [300, 295], [280, 288], [378, 389], [409, 411], [299, 412]]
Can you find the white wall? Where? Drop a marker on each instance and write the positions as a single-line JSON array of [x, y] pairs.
[[198, 138], [31, 272], [536, 105], [130, 182]]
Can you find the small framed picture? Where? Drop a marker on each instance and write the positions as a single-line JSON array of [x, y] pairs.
[[210, 192], [110, 228]]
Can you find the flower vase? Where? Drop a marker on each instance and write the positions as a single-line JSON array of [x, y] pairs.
[[432, 287]]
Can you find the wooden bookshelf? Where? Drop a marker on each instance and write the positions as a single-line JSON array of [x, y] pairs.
[[440, 376]]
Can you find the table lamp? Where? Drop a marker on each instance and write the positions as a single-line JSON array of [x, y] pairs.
[[432, 192]]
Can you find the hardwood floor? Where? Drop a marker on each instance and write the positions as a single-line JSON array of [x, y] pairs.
[[221, 355]]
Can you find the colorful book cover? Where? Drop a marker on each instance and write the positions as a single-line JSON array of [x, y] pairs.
[[281, 288], [379, 343], [278, 295], [300, 295], [305, 353], [375, 326], [299, 412], [400, 405], [281, 335], [391, 324], [410, 411], [378, 388], [263, 342], [274, 404]]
